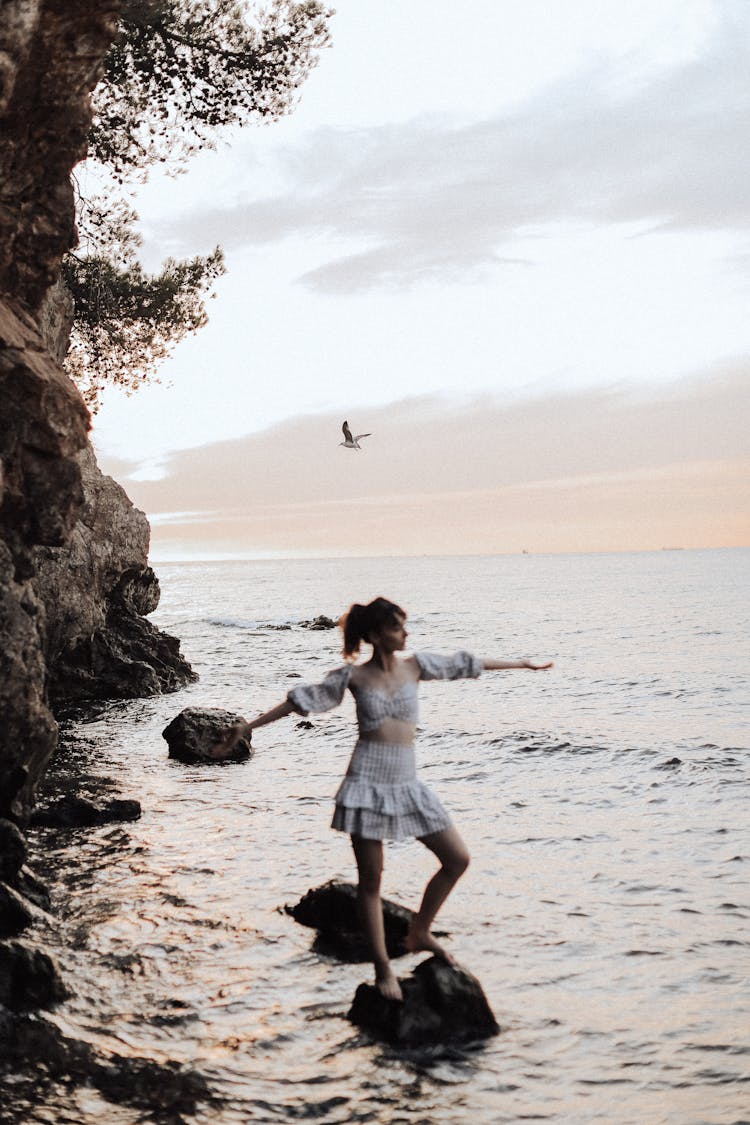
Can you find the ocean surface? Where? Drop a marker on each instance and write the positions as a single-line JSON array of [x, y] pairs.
[[605, 803]]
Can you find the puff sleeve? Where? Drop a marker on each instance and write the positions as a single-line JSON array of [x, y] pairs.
[[323, 696], [459, 666]]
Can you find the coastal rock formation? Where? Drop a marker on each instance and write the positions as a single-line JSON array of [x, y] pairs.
[[443, 1004], [195, 730], [332, 910], [96, 590], [74, 578], [50, 58]]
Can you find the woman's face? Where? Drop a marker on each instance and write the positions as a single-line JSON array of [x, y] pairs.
[[392, 637]]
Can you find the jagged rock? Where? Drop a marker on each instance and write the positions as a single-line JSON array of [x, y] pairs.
[[332, 911], [95, 591], [12, 850], [193, 732], [77, 812], [29, 978], [320, 622], [442, 1004], [15, 914], [50, 58], [31, 887]]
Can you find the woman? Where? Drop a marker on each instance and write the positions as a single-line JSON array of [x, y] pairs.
[[380, 796]]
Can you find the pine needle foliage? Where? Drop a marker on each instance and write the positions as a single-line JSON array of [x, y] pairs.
[[179, 73]]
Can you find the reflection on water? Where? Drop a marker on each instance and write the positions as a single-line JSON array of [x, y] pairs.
[[606, 909]]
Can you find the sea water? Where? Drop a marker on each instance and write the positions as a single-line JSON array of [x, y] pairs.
[[605, 803]]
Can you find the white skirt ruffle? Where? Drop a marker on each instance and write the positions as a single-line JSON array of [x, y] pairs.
[[381, 797]]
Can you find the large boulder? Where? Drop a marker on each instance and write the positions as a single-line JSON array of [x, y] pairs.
[[332, 910], [195, 730], [443, 1004]]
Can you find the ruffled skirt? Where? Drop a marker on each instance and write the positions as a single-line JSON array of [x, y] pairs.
[[381, 798]]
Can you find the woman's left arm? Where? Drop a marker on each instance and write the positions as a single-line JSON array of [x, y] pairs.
[[502, 665]]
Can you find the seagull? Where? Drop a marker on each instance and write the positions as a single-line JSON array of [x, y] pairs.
[[350, 442]]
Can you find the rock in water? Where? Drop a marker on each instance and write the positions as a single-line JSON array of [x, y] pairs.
[[195, 730], [332, 911], [29, 978], [443, 1004]]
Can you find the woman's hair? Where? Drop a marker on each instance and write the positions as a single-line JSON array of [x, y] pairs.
[[361, 621]]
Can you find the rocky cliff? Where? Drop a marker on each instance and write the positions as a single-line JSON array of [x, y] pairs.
[[74, 577]]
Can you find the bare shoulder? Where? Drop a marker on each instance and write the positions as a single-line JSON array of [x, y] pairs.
[[355, 676], [411, 664]]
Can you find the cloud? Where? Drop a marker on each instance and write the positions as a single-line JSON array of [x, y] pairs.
[[436, 475], [406, 202]]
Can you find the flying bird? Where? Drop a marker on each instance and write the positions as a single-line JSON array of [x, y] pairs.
[[350, 442]]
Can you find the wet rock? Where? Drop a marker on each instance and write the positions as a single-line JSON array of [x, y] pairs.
[[15, 913], [29, 978], [332, 911], [31, 887], [195, 730], [77, 812], [443, 1004], [12, 850], [96, 590], [168, 1086], [320, 622]]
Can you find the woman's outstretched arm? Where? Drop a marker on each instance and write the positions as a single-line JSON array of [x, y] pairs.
[[502, 665], [244, 730]]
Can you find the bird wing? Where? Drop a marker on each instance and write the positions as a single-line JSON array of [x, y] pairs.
[[347, 432], [358, 436]]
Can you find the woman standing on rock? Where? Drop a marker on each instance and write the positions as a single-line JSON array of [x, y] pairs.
[[381, 797]]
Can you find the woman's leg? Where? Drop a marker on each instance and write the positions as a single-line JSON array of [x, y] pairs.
[[453, 854], [369, 856]]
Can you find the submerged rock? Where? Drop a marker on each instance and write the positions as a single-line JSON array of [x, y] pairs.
[[195, 730], [29, 978], [443, 1004], [320, 622], [77, 812], [332, 911]]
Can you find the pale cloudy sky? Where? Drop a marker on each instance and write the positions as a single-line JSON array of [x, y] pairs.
[[512, 240]]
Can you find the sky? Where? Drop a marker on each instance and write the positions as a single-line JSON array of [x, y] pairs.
[[511, 241]]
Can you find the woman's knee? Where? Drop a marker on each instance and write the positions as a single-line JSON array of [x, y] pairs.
[[457, 863]]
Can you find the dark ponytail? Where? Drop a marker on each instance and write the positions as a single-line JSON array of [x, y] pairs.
[[360, 621]]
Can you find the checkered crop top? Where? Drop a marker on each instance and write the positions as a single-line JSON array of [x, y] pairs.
[[374, 706]]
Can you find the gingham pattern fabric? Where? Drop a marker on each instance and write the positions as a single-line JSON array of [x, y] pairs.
[[381, 798], [460, 666], [374, 706]]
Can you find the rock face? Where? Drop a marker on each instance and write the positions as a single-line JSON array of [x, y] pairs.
[[195, 730], [50, 58], [442, 1004], [74, 576], [96, 590], [332, 911]]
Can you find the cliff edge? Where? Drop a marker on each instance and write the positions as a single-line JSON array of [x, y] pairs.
[[75, 584]]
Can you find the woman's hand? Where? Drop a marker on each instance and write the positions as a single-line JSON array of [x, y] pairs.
[[538, 667], [230, 737]]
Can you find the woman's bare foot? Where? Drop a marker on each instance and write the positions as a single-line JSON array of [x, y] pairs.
[[386, 983], [417, 940]]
